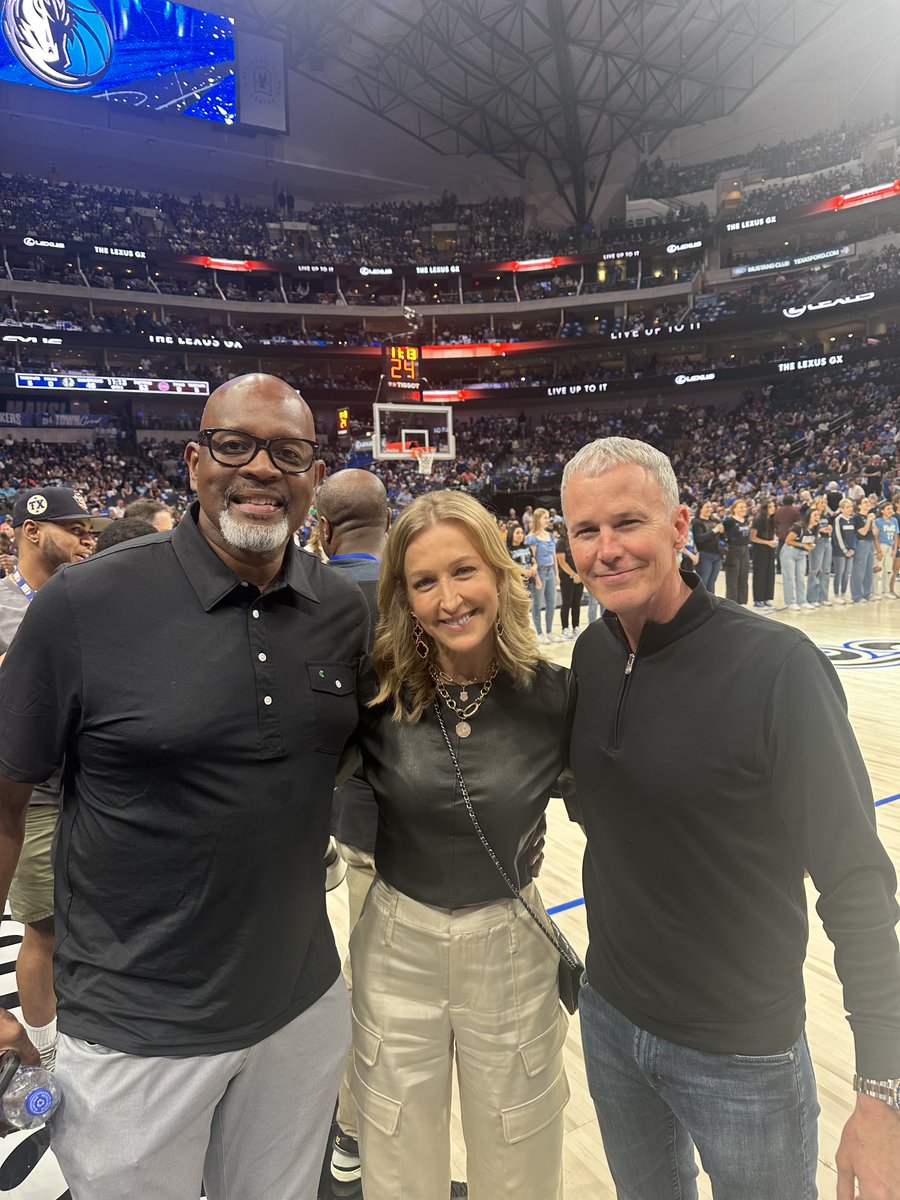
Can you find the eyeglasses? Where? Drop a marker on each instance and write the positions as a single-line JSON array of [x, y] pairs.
[[234, 448]]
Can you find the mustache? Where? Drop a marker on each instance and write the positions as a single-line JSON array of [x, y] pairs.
[[236, 489]]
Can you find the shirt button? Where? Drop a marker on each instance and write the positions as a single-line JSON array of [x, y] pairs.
[[255, 613], [267, 699], [262, 658], [337, 683]]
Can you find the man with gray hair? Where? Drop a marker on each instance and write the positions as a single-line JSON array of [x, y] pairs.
[[693, 1012]]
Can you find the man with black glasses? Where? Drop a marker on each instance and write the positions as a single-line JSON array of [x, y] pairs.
[[201, 686]]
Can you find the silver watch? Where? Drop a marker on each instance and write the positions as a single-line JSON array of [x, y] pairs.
[[887, 1090]]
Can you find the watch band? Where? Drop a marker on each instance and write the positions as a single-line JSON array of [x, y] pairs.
[[887, 1090]]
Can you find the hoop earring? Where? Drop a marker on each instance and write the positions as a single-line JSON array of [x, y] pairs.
[[422, 648], [500, 630]]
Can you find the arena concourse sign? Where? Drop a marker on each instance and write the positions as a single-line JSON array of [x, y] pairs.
[[31, 419]]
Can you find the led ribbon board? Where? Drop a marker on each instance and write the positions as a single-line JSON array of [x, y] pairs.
[[110, 383]]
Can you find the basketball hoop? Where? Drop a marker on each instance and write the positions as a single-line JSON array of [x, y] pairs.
[[423, 457]]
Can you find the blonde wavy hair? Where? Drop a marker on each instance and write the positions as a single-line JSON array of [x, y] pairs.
[[403, 676]]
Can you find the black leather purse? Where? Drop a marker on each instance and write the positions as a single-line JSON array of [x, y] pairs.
[[571, 968]]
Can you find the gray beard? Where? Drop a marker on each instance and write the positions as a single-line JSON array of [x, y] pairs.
[[256, 539]]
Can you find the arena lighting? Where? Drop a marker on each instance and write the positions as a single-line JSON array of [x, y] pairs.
[[225, 264], [883, 191], [867, 194]]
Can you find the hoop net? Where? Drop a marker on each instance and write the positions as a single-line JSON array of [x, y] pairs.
[[424, 458]]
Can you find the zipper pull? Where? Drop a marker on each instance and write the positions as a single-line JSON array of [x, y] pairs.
[[629, 664]]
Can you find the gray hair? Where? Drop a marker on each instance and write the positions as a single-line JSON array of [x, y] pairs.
[[606, 453]]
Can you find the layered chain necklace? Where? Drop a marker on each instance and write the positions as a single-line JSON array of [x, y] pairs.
[[468, 709]]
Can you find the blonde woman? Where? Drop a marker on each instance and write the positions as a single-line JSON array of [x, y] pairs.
[[542, 541], [446, 963]]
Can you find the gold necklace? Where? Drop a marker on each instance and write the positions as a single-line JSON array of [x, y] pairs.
[[463, 728], [463, 684]]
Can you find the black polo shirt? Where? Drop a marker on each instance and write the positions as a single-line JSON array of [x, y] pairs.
[[201, 724]]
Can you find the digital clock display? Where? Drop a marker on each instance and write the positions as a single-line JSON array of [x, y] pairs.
[[402, 366]]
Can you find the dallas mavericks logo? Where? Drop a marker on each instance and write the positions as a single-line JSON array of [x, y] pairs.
[[877, 652], [66, 43]]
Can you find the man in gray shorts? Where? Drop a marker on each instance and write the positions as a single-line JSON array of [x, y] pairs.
[[200, 686], [53, 527]]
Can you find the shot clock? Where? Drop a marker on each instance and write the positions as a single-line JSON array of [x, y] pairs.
[[401, 366]]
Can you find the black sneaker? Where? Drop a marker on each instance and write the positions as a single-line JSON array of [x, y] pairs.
[[345, 1166]]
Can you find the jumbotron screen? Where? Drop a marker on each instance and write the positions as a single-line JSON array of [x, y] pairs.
[[144, 54]]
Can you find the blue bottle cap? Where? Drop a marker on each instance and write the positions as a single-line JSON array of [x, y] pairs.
[[38, 1102]]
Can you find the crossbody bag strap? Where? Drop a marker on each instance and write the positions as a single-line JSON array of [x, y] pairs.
[[464, 791]]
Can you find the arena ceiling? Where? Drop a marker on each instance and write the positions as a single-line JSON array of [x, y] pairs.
[[566, 82]]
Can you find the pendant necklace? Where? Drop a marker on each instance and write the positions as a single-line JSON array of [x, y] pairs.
[[463, 684], [463, 728]]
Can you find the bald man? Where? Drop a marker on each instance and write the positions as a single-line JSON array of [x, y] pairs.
[[200, 686], [354, 518]]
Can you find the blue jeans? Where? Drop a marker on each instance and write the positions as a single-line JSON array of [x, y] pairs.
[[842, 567], [544, 598], [753, 1119], [708, 569], [595, 608], [819, 572], [861, 571], [793, 574]]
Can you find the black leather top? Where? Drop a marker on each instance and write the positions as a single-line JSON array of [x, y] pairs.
[[426, 845]]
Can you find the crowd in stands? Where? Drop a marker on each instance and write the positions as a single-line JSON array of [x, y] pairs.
[[878, 273], [387, 233], [783, 440], [375, 235], [392, 232], [826, 148], [775, 197]]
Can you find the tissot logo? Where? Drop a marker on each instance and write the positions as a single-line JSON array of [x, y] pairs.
[[64, 43]]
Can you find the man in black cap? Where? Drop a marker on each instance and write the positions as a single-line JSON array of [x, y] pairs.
[[201, 685], [53, 528]]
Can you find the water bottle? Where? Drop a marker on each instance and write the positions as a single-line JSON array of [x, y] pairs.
[[31, 1098]]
